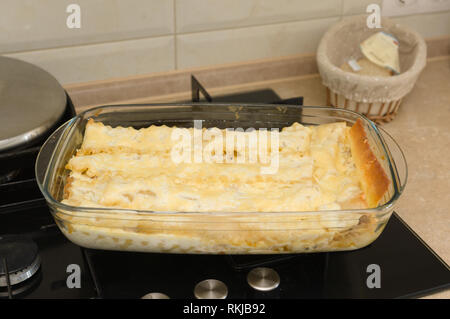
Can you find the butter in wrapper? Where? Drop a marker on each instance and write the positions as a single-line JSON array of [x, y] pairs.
[[382, 49]]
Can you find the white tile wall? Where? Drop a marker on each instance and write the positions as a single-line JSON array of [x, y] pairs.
[[233, 45], [31, 24], [127, 37], [106, 60], [200, 15], [351, 7], [428, 25]]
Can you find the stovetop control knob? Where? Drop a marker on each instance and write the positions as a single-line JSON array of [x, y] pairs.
[[155, 295], [263, 279], [210, 289]]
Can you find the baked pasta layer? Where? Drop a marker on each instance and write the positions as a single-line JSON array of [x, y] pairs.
[[134, 169]]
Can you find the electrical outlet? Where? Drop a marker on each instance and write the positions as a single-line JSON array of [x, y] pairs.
[[406, 7]]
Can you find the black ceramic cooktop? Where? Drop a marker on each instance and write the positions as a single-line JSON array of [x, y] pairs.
[[407, 267]]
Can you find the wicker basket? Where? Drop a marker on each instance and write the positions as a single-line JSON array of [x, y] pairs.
[[378, 98], [376, 111]]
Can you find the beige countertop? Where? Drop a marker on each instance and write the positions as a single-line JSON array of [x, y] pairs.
[[422, 130]]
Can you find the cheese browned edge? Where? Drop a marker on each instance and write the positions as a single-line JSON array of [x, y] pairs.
[[374, 181], [66, 189]]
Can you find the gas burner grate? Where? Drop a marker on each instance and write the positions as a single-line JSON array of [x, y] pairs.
[[20, 261], [266, 96]]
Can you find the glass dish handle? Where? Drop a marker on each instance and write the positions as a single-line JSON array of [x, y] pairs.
[[45, 154], [397, 157]]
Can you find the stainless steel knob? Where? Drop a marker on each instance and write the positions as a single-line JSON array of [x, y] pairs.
[[263, 279], [210, 289], [155, 295]]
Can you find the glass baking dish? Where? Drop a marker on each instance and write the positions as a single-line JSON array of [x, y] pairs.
[[212, 232]]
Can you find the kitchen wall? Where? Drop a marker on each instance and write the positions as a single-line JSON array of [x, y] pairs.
[[121, 38]]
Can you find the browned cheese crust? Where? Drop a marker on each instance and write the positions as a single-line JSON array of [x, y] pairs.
[[374, 180], [66, 190]]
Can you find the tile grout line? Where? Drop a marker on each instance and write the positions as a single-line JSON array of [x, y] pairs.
[[71, 46], [175, 33], [338, 15], [289, 21]]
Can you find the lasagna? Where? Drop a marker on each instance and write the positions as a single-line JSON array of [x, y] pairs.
[[324, 167]]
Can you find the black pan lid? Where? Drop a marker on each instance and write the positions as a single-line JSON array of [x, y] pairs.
[[31, 102]]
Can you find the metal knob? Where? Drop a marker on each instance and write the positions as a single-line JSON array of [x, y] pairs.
[[210, 289], [263, 279], [155, 295]]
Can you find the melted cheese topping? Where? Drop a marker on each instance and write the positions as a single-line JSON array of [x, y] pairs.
[[133, 169]]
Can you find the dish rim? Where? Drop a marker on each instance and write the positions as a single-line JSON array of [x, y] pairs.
[[65, 129]]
